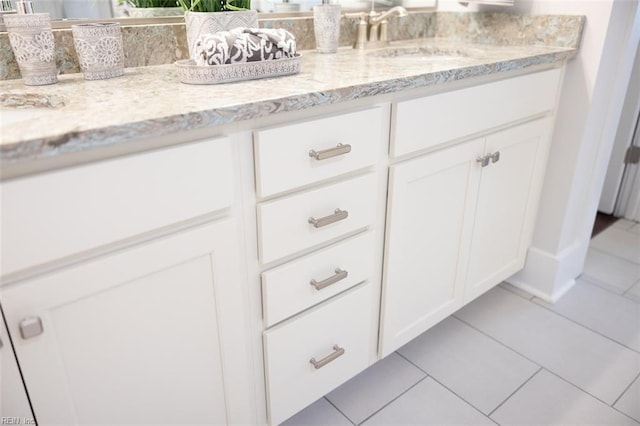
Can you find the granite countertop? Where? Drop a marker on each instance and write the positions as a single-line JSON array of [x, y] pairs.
[[75, 115]]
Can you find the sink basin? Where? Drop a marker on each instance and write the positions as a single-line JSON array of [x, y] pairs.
[[26, 106], [13, 115]]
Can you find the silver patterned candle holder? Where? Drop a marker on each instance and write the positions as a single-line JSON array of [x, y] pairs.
[[99, 48], [31, 39], [326, 25]]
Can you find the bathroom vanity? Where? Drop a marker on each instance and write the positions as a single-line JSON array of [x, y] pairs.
[[230, 254]]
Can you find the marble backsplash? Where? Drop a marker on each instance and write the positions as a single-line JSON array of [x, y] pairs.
[[165, 43]]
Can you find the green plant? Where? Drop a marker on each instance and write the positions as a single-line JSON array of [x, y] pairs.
[[214, 5], [153, 3]]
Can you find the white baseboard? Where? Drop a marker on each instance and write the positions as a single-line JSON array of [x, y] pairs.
[[549, 276]]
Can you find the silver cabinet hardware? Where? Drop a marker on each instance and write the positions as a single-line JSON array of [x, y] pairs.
[[1, 344], [327, 220], [337, 352], [31, 327], [495, 157], [339, 149], [632, 156], [338, 276], [484, 161]]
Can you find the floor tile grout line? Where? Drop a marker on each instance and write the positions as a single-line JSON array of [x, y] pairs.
[[339, 410], [446, 387], [626, 389], [527, 358], [394, 399], [613, 255], [608, 285], [608, 253], [585, 327], [411, 362], [496, 340], [629, 289], [515, 391], [462, 399], [587, 393], [603, 285], [531, 296]]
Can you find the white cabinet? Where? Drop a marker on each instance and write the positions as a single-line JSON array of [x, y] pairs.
[[459, 222], [308, 152], [302, 283], [427, 122], [154, 334], [14, 405], [291, 224], [124, 290], [507, 204], [127, 284], [322, 223], [322, 348], [57, 215], [427, 225]]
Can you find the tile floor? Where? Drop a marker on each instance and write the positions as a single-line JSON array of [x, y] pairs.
[[509, 358]]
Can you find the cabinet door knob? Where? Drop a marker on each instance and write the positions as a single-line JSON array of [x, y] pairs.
[[495, 157], [338, 276], [339, 149], [337, 215], [337, 352], [484, 161], [1, 343], [31, 327]]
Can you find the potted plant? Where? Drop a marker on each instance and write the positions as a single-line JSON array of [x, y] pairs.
[[152, 8], [211, 16]]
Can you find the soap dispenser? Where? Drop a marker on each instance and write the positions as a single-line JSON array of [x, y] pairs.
[[326, 25]]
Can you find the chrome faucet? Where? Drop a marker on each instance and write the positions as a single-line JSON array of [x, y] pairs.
[[373, 26]]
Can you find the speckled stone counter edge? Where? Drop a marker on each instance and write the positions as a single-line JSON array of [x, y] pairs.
[[164, 44]]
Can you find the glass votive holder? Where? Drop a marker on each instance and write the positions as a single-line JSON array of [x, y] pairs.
[[326, 25]]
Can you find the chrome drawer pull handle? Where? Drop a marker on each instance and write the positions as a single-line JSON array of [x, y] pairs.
[[327, 220], [495, 157], [484, 161], [338, 276], [337, 353], [330, 152]]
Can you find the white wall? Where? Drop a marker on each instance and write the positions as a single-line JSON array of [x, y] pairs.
[[587, 117]]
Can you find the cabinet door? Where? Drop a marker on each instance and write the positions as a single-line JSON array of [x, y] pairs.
[[152, 334], [14, 405], [427, 227], [507, 204]]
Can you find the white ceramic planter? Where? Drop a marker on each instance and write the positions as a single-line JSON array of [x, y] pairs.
[[198, 23]]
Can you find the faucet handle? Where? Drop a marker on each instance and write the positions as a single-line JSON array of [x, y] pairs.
[[361, 31], [355, 15]]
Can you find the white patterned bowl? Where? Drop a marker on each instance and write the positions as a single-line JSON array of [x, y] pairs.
[[190, 73]]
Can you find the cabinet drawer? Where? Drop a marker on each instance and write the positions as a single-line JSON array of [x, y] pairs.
[[300, 284], [284, 226], [426, 122], [292, 381], [283, 159], [50, 216]]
